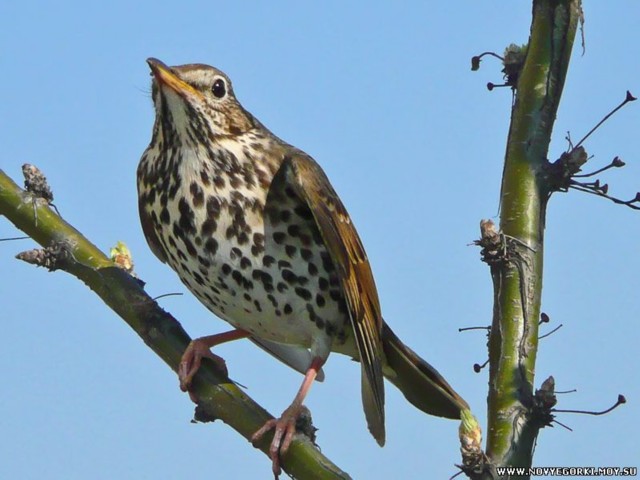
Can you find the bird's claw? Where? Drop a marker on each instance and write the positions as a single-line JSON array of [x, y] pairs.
[[192, 359], [285, 428]]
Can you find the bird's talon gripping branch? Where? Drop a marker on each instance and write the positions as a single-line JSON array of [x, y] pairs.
[[201, 348], [192, 359], [285, 428]]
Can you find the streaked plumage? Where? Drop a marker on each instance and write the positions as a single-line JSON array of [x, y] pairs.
[[255, 230]]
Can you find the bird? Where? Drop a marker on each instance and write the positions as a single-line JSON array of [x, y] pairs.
[[255, 230]]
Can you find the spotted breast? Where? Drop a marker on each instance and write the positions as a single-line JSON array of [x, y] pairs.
[[252, 255], [255, 230]]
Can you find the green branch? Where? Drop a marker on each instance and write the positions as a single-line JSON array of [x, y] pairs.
[[218, 397], [518, 279]]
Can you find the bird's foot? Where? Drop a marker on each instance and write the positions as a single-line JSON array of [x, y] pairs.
[[285, 428], [192, 359]]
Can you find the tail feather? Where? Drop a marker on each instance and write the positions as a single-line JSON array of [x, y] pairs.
[[419, 382]]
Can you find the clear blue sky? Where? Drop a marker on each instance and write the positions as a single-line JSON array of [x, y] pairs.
[[383, 97]]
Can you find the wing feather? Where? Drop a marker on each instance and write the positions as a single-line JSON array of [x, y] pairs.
[[310, 183]]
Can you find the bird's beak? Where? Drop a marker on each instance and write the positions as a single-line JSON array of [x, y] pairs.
[[164, 76]]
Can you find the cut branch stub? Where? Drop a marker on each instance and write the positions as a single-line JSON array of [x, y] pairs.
[[514, 56], [36, 183], [512, 62], [543, 401], [561, 175], [492, 243]]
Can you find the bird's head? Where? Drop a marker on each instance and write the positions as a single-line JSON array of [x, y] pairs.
[[195, 103]]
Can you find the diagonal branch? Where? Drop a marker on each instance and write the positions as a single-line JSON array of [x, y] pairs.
[[218, 397]]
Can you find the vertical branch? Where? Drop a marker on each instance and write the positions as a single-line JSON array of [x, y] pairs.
[[518, 281]]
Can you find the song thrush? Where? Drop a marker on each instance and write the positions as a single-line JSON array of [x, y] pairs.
[[257, 233]]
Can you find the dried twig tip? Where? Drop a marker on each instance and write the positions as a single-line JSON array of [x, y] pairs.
[[466, 329], [174, 294], [478, 368], [551, 332], [620, 401], [628, 98], [617, 162], [476, 59]]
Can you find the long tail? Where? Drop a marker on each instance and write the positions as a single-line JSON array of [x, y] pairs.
[[420, 383]]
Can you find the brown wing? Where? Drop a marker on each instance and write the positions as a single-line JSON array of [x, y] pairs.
[[310, 183]]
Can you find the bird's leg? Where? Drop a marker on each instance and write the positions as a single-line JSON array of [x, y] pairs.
[[199, 349], [285, 426]]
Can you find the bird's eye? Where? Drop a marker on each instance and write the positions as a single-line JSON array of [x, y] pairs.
[[219, 88]]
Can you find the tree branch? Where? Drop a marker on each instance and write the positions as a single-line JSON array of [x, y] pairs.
[[218, 397], [517, 280]]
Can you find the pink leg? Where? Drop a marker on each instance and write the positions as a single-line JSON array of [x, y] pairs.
[[285, 426], [199, 349]]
